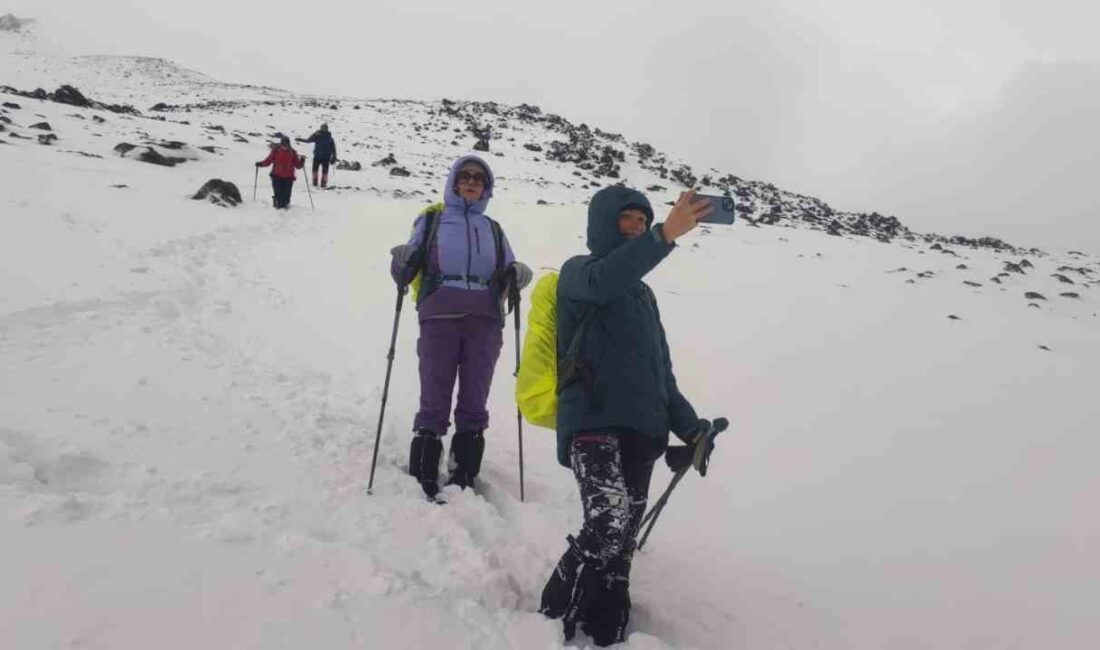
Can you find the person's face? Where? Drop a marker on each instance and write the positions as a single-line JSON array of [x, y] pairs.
[[470, 182], [632, 223]]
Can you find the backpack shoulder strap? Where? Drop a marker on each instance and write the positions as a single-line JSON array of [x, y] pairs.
[[570, 368], [498, 240], [431, 229]]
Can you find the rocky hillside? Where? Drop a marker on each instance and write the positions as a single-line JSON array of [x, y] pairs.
[[407, 137]]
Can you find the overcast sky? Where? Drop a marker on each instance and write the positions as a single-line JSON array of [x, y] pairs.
[[960, 116]]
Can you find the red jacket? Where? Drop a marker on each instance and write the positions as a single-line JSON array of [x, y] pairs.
[[285, 162]]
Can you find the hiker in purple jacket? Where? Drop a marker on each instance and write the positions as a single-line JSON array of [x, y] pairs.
[[466, 268]]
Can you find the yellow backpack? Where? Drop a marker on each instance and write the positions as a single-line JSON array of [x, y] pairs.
[[537, 379]]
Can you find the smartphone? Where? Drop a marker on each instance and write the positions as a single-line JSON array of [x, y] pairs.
[[721, 209]]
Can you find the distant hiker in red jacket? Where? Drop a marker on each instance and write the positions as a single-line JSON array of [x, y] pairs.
[[284, 160]]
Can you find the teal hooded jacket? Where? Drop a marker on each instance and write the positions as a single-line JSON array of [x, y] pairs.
[[628, 383]]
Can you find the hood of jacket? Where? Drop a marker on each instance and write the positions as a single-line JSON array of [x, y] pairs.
[[603, 217], [451, 199]]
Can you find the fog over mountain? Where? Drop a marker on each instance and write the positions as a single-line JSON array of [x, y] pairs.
[[858, 103]]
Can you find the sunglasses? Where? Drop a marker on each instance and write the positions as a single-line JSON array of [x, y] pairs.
[[476, 178]]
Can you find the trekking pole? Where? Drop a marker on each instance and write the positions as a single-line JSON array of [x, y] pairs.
[[699, 461], [386, 386], [514, 298], [306, 179], [255, 183]]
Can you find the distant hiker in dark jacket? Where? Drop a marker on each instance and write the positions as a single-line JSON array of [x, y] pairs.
[[324, 153], [465, 269], [615, 411], [283, 160]]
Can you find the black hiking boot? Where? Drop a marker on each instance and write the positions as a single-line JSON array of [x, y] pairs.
[[609, 612], [424, 454], [464, 460], [571, 589]]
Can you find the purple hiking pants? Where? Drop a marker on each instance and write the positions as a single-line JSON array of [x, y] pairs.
[[465, 348]]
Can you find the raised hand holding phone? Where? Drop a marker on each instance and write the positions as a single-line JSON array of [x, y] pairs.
[[684, 216], [722, 209]]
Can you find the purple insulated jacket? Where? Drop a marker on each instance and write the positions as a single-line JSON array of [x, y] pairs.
[[464, 257]]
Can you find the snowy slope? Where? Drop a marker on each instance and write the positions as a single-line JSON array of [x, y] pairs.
[[189, 394]]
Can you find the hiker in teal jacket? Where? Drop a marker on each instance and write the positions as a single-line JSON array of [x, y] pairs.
[[618, 401]]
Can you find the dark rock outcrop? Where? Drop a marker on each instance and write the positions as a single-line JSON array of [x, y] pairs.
[[219, 192], [154, 157], [72, 96]]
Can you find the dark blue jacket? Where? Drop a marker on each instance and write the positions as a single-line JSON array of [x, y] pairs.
[[631, 383], [324, 147]]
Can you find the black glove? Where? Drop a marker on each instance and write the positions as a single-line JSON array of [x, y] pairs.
[[678, 457], [696, 453], [259, 164]]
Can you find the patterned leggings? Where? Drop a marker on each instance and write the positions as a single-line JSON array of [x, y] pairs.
[[590, 585], [614, 493]]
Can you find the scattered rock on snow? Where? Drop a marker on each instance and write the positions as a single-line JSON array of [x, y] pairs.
[[953, 317], [44, 126], [400, 171], [1033, 295], [385, 162], [124, 148], [152, 156], [219, 192], [47, 138], [70, 95], [971, 283], [349, 165], [962, 267], [1061, 278], [1070, 294], [1014, 268]]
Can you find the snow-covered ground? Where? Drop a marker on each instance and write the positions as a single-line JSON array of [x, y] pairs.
[[189, 395]]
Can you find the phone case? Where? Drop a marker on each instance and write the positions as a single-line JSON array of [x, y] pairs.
[[722, 209]]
